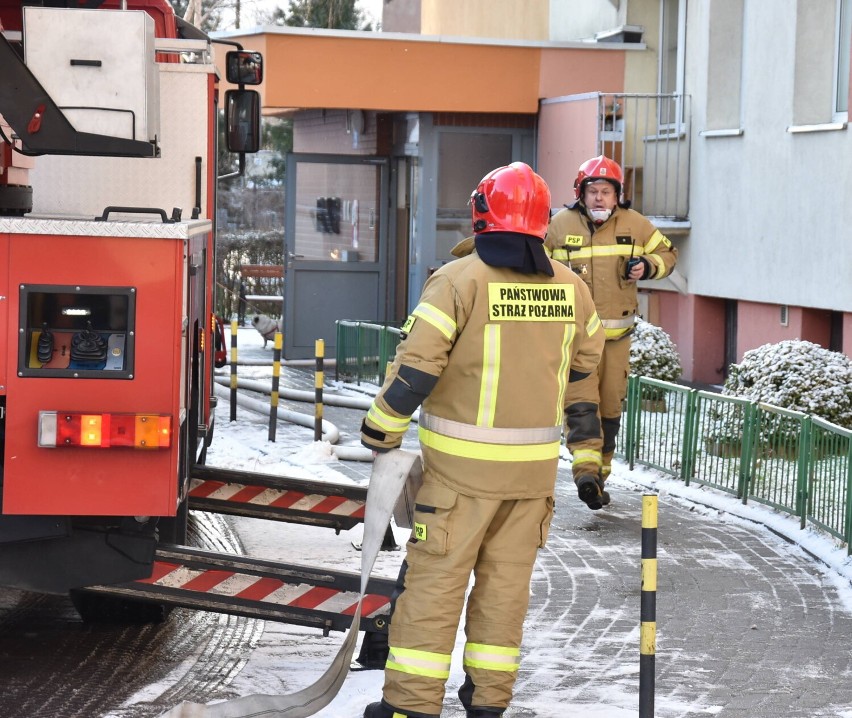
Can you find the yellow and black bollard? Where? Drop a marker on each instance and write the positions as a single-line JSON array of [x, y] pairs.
[[233, 370], [648, 611], [319, 351], [273, 397]]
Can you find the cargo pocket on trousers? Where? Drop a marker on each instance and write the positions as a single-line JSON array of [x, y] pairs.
[[432, 510], [545, 523]]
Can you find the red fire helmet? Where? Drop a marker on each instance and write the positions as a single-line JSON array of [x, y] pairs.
[[511, 199], [598, 168]]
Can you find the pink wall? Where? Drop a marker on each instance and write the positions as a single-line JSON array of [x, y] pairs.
[[567, 137], [697, 327], [759, 324]]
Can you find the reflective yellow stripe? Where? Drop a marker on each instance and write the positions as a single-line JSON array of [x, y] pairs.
[[648, 638], [593, 324], [661, 265], [490, 375], [649, 574], [564, 365], [391, 424], [607, 250], [488, 452], [434, 316], [615, 333], [560, 255], [419, 663], [587, 456], [492, 658], [656, 240], [615, 328], [624, 323], [490, 434]]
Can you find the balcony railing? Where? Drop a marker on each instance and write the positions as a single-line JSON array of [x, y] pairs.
[[649, 136]]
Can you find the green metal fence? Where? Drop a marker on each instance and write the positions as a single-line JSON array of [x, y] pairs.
[[795, 463], [798, 464], [364, 350]]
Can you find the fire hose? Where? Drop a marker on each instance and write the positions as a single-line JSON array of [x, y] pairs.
[[391, 472]]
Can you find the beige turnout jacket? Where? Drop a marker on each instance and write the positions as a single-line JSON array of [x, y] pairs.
[[599, 258], [488, 352]]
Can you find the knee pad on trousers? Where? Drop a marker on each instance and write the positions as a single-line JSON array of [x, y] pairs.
[[611, 426], [583, 422]]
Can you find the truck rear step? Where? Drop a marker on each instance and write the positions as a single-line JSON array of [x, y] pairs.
[[281, 498], [256, 588]]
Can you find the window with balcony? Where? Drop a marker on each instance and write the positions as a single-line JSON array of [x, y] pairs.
[[672, 49]]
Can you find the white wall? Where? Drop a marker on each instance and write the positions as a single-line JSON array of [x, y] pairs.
[[578, 19], [769, 209]]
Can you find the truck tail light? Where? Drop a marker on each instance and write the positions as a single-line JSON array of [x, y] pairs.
[[104, 431]]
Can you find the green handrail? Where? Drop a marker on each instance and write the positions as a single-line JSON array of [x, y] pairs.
[[794, 462]]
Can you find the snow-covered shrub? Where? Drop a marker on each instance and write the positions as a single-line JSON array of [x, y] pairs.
[[792, 374], [653, 353], [798, 375]]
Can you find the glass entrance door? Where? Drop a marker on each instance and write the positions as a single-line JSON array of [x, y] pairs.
[[336, 247]]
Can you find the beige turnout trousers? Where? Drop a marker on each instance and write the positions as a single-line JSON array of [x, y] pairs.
[[593, 414], [456, 536]]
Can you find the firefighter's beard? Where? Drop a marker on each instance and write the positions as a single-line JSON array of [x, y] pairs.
[[599, 216]]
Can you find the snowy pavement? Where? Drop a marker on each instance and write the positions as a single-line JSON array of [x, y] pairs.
[[753, 615]]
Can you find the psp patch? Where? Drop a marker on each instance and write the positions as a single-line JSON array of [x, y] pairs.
[[406, 328]]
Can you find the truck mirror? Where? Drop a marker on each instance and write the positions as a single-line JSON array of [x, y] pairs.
[[243, 67], [242, 120]]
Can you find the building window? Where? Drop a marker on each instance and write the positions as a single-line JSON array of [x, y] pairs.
[[841, 72], [725, 64], [821, 74], [672, 45], [464, 158]]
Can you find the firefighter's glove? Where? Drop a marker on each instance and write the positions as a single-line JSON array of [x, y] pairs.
[[647, 270]]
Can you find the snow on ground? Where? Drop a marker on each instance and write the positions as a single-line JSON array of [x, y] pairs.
[[289, 658]]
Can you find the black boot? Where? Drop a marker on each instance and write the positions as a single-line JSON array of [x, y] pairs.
[[466, 697], [589, 491], [374, 652], [381, 709]]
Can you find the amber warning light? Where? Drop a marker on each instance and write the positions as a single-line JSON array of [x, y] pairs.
[[104, 431]]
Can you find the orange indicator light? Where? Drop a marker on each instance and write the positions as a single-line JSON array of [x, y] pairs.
[[105, 431]]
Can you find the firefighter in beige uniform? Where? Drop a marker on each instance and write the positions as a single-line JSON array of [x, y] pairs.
[[609, 247], [488, 351]]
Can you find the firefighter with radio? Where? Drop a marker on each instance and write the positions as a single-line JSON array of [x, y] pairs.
[[610, 247], [488, 351]]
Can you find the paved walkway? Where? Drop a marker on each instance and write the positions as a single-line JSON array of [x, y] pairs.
[[748, 625]]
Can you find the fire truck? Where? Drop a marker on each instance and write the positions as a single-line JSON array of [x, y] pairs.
[[108, 175]]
